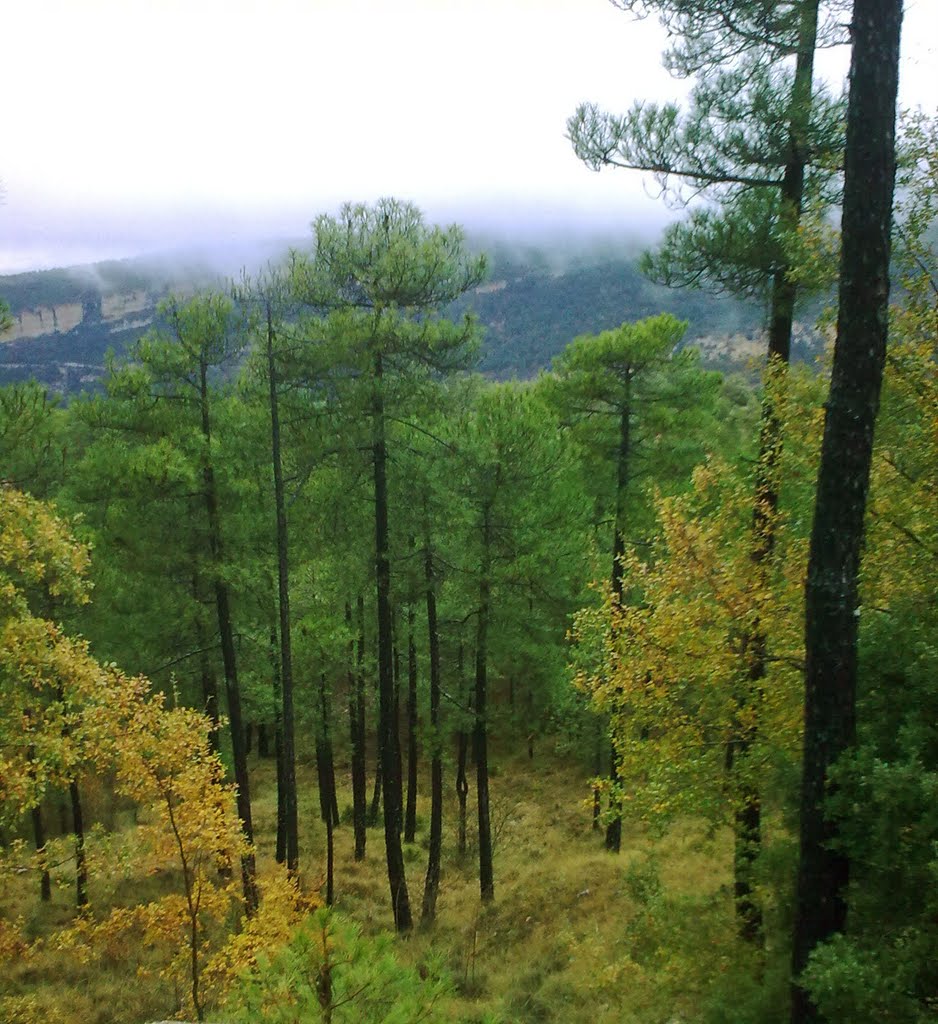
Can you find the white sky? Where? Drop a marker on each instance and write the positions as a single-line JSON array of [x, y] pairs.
[[140, 124]]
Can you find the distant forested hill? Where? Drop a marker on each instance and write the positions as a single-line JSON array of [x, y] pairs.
[[531, 309], [534, 302]]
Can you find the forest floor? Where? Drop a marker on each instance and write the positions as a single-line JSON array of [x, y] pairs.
[[575, 934]]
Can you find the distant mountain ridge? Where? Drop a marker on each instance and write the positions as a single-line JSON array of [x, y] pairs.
[[531, 306]]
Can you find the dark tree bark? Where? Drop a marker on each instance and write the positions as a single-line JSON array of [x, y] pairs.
[[78, 831], [387, 723], [78, 826], [784, 289], [375, 807], [356, 718], [263, 740], [480, 730], [229, 660], [248, 738], [288, 742], [325, 735], [614, 828], [410, 813], [325, 769], [281, 848], [398, 750], [462, 751], [843, 478], [432, 883], [747, 815]]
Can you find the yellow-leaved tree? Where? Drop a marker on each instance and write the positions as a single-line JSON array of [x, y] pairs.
[[62, 713]]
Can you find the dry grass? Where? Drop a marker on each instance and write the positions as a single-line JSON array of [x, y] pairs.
[[575, 934]]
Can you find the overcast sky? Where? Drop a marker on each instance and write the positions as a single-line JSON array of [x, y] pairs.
[[136, 125]]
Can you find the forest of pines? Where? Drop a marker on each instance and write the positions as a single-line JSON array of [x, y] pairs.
[[341, 683]]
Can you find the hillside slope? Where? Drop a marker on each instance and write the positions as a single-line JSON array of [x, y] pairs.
[[65, 321]]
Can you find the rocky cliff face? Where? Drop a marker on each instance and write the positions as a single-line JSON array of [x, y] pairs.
[[113, 312], [65, 321], [34, 323]]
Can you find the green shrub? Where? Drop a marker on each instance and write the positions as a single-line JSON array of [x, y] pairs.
[[330, 973]]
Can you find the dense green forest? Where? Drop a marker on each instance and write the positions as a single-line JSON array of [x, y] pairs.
[[340, 680]]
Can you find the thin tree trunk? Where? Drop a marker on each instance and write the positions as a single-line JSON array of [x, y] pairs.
[[784, 289], [78, 831], [248, 738], [226, 631], [747, 815], [387, 725], [462, 751], [327, 795], [283, 600], [432, 883], [375, 808], [356, 715], [410, 815], [831, 599], [263, 740], [281, 848], [327, 786], [398, 751], [78, 828], [480, 732], [614, 828]]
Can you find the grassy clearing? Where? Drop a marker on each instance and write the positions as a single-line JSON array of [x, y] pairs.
[[575, 934]]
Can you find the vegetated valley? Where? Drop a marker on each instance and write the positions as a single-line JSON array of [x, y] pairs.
[[404, 633]]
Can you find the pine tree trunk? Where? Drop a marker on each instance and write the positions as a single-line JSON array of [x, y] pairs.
[[747, 815], [784, 289], [78, 831], [398, 750], [831, 599], [325, 779], [614, 828], [375, 807], [263, 741], [327, 785], [281, 848], [356, 715], [325, 768], [410, 814], [480, 732], [226, 631], [462, 751], [283, 600], [432, 883], [387, 724]]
